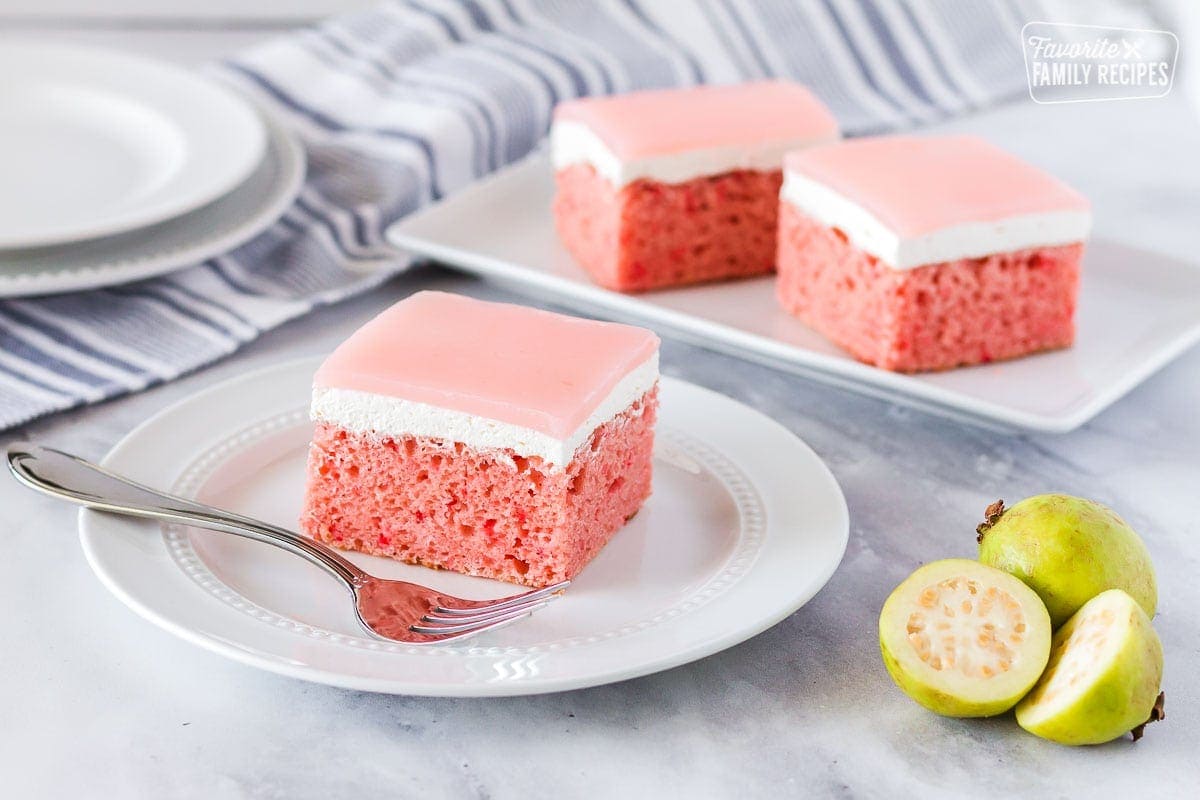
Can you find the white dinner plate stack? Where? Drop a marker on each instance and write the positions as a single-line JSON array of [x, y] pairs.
[[117, 168]]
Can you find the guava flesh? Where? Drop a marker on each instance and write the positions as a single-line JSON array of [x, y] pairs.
[[964, 639], [1103, 678], [1068, 550]]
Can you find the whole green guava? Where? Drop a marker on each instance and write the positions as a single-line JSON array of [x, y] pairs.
[[1068, 550]]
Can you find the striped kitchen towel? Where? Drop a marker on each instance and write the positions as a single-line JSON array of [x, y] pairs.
[[403, 104]]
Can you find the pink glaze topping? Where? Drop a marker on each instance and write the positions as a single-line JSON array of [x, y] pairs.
[[661, 122], [919, 184], [523, 366]]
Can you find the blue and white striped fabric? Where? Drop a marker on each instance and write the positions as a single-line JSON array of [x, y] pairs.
[[406, 103]]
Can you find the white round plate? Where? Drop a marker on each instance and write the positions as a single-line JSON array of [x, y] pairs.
[[216, 228], [745, 525], [94, 142]]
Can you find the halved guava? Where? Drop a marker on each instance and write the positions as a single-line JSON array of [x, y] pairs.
[[964, 639], [1103, 678]]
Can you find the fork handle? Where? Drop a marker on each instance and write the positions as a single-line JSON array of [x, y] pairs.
[[71, 478]]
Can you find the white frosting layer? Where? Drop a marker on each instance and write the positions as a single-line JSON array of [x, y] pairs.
[[395, 417], [971, 240], [575, 143]]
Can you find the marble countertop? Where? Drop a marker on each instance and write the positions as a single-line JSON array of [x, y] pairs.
[[99, 703]]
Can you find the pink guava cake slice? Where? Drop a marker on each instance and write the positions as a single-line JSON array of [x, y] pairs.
[[927, 253], [483, 438], [671, 187]]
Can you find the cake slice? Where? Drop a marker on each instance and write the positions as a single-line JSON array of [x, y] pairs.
[[929, 253], [483, 438], [664, 188]]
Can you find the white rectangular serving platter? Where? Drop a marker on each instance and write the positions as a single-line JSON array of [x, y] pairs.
[[1137, 311]]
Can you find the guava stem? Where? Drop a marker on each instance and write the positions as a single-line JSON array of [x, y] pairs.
[[992, 515], [1157, 714]]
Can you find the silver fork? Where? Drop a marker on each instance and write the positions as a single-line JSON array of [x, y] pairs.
[[396, 610]]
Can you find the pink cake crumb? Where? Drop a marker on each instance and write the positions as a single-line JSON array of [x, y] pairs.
[[489, 513], [933, 317], [648, 235]]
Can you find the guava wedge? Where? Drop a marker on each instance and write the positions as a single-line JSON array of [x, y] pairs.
[[1068, 550], [1103, 678], [964, 639]]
